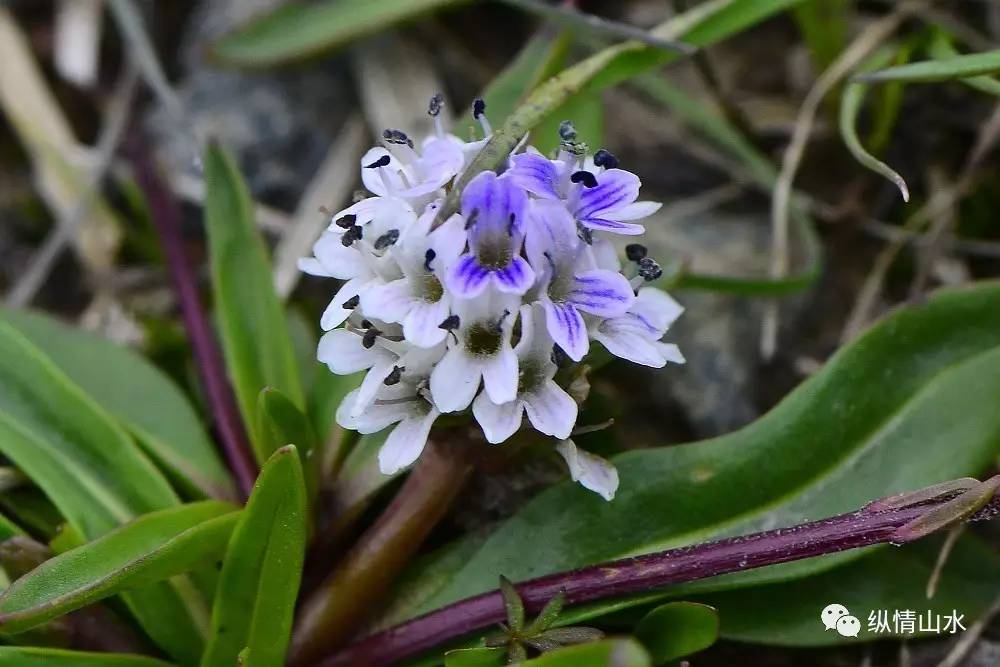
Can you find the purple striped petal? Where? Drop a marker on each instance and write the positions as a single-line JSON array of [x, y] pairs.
[[602, 293], [536, 174], [468, 278], [494, 200], [567, 329], [615, 188], [613, 226], [515, 278]]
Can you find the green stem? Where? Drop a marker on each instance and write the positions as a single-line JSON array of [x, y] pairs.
[[358, 584]]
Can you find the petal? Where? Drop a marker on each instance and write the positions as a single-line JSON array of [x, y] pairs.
[[406, 442], [390, 302], [616, 188], [371, 384], [626, 343], [342, 351], [338, 260], [372, 420], [500, 375], [671, 353], [613, 226], [601, 292], [536, 174], [312, 267], [551, 410], [516, 278], [592, 472], [634, 211], [371, 177], [656, 308], [422, 325], [567, 329], [455, 380], [467, 279], [498, 422], [335, 313], [551, 231], [448, 242], [494, 200]]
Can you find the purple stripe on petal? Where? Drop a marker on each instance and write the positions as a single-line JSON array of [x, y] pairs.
[[603, 293], [613, 226], [536, 174], [567, 329], [467, 278], [494, 200], [615, 188], [516, 278]]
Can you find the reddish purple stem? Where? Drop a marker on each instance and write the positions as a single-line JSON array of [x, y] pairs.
[[166, 216], [872, 524]]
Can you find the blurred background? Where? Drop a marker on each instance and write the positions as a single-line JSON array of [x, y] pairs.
[[709, 136]]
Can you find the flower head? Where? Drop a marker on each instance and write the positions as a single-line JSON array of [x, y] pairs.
[[480, 312]]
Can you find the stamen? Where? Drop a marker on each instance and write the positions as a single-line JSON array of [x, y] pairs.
[[354, 233], [567, 132], [585, 177], [471, 220], [381, 162], [450, 323], [603, 158], [479, 113], [635, 252], [352, 303], [397, 137], [387, 239], [428, 258], [368, 340], [558, 356], [366, 324], [394, 376], [347, 221], [498, 327], [434, 109], [586, 234], [649, 269]]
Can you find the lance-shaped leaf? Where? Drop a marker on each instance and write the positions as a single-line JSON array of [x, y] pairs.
[[908, 404], [254, 331], [154, 547], [282, 423], [255, 602], [163, 422], [30, 656], [942, 49], [945, 69], [676, 629]]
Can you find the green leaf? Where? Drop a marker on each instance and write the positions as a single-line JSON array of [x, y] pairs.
[[476, 657], [787, 614], [254, 332], [606, 653], [677, 629], [152, 548], [906, 405], [945, 69], [29, 656], [69, 446], [512, 604], [942, 49], [824, 27], [850, 107], [282, 423], [259, 584], [299, 30], [540, 58], [163, 422]]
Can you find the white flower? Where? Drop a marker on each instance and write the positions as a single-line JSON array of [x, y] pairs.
[[590, 470], [550, 409], [472, 312]]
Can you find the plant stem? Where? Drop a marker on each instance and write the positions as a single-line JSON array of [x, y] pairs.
[[360, 581], [877, 522], [166, 215]]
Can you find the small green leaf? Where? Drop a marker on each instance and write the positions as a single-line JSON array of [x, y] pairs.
[[299, 30], [677, 629], [154, 547], [942, 49], [164, 423], [512, 604], [254, 332], [850, 107], [282, 423], [606, 653], [945, 69], [30, 656], [548, 615], [260, 576]]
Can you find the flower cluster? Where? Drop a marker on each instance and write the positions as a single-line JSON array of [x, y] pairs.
[[483, 308]]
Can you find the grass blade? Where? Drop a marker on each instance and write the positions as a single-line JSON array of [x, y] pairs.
[[945, 69]]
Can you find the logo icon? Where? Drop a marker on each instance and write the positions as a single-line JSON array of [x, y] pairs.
[[837, 617]]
